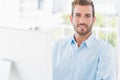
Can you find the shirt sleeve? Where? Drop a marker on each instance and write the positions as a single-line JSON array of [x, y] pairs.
[[54, 48], [107, 64]]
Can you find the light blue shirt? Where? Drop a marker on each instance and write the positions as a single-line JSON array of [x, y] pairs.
[[93, 60]]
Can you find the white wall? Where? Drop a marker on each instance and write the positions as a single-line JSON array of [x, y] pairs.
[[9, 12], [29, 52]]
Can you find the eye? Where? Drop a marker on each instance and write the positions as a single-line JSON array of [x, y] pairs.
[[88, 15], [77, 14]]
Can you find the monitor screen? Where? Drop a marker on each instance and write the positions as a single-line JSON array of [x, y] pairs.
[[29, 52]]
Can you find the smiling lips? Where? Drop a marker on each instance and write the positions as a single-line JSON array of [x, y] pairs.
[[82, 26]]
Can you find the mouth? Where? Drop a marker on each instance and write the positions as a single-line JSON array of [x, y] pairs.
[[82, 26]]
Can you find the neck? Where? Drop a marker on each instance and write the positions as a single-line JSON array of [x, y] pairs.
[[80, 38]]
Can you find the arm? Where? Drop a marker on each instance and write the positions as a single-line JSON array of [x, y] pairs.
[[107, 64]]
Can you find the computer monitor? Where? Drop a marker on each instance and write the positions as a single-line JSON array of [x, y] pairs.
[[29, 52]]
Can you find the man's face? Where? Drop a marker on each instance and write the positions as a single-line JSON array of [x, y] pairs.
[[82, 19]]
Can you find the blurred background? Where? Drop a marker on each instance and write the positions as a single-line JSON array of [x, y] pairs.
[[53, 16]]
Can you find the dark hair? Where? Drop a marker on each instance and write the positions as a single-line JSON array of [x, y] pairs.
[[83, 2]]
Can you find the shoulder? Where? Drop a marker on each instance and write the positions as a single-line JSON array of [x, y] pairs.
[[59, 46], [104, 43], [62, 42], [105, 47]]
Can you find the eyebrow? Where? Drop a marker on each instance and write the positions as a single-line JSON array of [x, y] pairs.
[[77, 13], [85, 14]]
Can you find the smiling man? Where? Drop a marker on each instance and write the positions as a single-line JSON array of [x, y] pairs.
[[83, 56]]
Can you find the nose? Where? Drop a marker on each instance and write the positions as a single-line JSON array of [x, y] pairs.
[[82, 20]]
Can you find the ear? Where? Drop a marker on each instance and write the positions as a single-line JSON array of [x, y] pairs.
[[71, 18]]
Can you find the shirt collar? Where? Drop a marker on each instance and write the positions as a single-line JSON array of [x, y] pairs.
[[72, 40], [88, 42]]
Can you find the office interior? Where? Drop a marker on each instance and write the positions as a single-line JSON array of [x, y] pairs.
[[26, 23]]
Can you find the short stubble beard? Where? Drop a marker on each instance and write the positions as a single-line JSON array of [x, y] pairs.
[[89, 29]]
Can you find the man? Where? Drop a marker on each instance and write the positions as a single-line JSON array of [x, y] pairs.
[[83, 56]]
